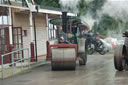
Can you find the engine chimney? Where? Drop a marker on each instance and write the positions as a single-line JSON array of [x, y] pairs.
[[95, 28], [64, 22]]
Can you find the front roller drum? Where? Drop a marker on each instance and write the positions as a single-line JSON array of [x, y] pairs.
[[67, 65], [63, 58], [119, 58]]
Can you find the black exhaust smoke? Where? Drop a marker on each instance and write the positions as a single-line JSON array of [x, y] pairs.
[[64, 21]]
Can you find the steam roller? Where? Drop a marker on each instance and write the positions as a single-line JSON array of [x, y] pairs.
[[69, 45], [121, 55]]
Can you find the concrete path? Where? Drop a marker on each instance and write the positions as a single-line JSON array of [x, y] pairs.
[[20, 67], [98, 71]]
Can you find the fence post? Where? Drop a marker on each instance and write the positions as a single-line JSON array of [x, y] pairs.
[[29, 58], [2, 62], [21, 58], [12, 63]]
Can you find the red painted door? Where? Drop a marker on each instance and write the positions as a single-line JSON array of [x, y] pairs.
[[4, 43], [18, 41]]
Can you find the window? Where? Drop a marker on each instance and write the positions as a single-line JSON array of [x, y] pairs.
[[52, 31], [4, 20], [24, 33], [4, 1]]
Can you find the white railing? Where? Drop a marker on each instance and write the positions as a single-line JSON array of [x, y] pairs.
[[13, 61]]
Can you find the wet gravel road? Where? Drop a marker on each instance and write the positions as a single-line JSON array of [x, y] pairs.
[[98, 71]]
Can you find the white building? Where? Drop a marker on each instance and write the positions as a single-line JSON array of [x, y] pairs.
[[17, 26]]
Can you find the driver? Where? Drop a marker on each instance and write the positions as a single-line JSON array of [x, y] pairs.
[[62, 36]]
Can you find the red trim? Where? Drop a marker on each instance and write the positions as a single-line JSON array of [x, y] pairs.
[[49, 57], [5, 36], [16, 42], [33, 59], [10, 50], [47, 45]]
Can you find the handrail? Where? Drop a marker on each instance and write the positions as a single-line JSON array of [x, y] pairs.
[[15, 51], [12, 60]]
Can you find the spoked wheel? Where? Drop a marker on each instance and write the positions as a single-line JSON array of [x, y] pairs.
[[90, 50], [100, 46], [119, 61], [102, 52]]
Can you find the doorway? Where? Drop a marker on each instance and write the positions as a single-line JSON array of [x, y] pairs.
[[4, 44], [18, 42]]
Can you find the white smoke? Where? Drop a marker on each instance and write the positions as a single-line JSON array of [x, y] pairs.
[[116, 9], [72, 4], [88, 19], [110, 43]]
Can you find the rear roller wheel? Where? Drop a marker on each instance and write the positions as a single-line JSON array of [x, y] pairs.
[[83, 56], [82, 60], [119, 58]]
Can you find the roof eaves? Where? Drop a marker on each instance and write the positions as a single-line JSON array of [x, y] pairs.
[[10, 6], [52, 10]]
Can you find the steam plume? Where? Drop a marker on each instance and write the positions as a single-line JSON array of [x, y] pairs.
[[69, 4], [116, 8]]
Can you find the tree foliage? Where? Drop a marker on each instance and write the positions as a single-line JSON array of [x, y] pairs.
[[51, 3], [107, 23], [38, 2], [94, 6], [83, 7], [90, 7]]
